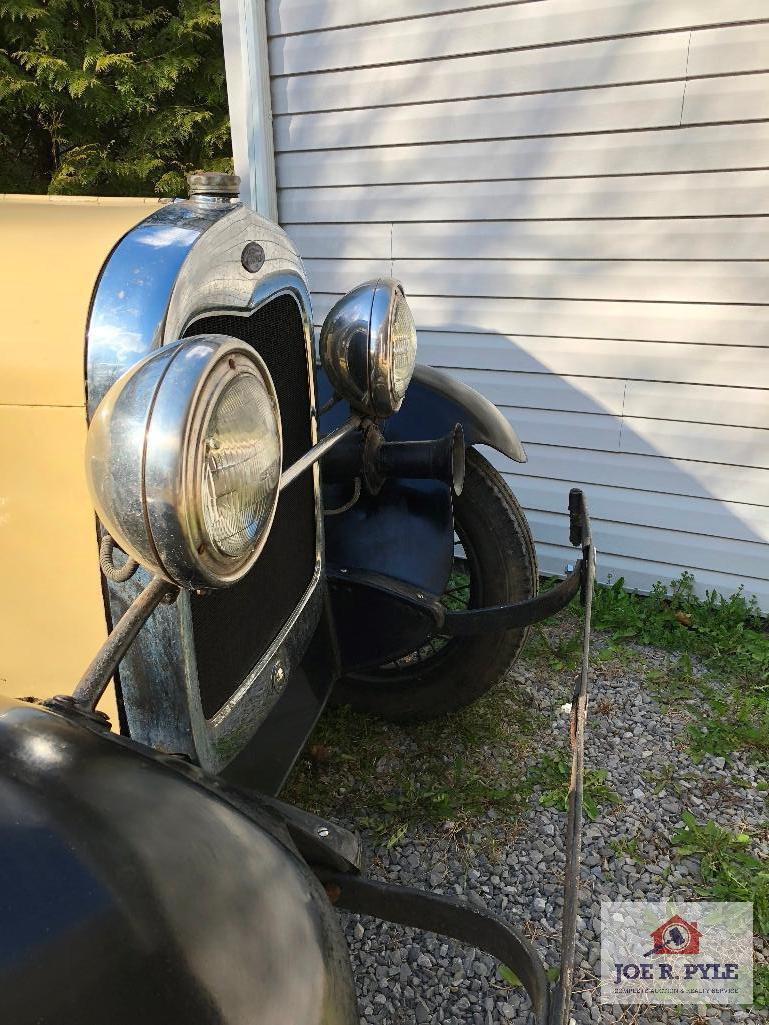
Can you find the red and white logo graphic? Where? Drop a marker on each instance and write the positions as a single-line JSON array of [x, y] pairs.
[[702, 952], [676, 936]]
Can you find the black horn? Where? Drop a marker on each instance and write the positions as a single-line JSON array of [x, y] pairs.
[[441, 459], [376, 460]]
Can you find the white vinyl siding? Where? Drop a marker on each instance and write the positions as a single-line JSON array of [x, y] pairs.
[[575, 196]]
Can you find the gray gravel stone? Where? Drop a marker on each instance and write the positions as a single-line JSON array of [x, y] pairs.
[[405, 976]]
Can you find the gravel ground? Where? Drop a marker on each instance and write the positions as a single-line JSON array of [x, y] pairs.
[[404, 975]]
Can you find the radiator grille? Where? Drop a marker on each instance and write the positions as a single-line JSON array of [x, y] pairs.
[[234, 627]]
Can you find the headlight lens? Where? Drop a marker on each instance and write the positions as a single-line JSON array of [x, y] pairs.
[[368, 345], [240, 466], [404, 348], [184, 460]]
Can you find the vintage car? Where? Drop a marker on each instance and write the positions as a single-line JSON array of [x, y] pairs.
[[274, 529]]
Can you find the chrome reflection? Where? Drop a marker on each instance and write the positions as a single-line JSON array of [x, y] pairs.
[[180, 265]]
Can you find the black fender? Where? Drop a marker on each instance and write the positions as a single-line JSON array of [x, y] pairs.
[[435, 402], [135, 888], [406, 532]]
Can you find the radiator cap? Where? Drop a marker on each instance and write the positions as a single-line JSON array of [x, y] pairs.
[[213, 183]]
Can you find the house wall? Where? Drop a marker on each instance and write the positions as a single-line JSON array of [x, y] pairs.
[[575, 196]]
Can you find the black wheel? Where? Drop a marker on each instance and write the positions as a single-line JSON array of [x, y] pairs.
[[496, 563]]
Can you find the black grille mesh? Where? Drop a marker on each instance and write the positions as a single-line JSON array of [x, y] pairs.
[[234, 627]]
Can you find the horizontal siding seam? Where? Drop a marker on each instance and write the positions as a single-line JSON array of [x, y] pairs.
[[519, 49], [617, 453], [583, 483], [640, 526], [694, 566], [622, 487], [706, 346], [551, 220], [630, 84], [519, 178], [585, 299], [331, 256], [406, 17], [630, 419], [599, 377], [540, 262], [545, 135], [629, 565]]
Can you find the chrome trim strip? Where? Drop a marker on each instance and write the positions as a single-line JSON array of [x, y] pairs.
[[217, 740]]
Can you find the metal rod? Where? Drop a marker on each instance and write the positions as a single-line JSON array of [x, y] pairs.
[[94, 680], [559, 1014], [313, 455]]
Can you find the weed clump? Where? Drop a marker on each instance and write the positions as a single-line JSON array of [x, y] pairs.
[[728, 635], [729, 871], [729, 701]]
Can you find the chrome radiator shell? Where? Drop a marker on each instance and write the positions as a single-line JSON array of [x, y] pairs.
[[182, 264]]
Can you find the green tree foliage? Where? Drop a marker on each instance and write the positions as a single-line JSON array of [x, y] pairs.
[[110, 97]]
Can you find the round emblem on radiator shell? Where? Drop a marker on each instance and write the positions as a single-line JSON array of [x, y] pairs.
[[252, 257]]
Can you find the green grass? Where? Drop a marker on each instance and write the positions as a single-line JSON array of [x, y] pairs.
[[729, 701], [558, 651], [729, 869], [731, 721], [393, 777], [445, 777], [728, 635], [489, 757], [761, 985], [627, 847], [728, 715], [553, 772]]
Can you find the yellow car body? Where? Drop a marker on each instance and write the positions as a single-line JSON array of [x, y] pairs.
[[52, 617]]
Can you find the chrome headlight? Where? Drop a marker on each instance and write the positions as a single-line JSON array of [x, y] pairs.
[[368, 345], [184, 459]]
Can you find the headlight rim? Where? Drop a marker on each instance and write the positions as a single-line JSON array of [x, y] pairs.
[[182, 540], [160, 456], [380, 374], [384, 396], [365, 378]]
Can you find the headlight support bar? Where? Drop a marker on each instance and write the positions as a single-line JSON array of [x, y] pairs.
[[313, 454], [97, 676]]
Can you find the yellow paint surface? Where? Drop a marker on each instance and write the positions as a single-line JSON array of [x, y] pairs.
[[51, 252], [51, 609], [52, 613]]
